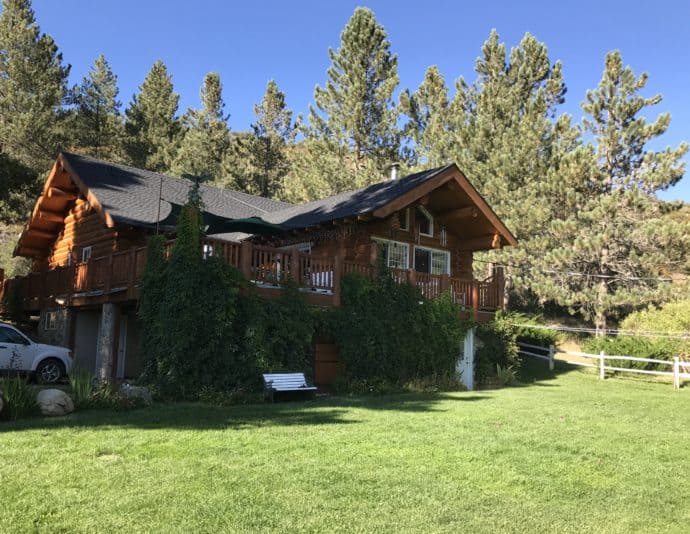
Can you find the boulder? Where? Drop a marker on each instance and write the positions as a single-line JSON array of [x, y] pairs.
[[54, 402], [136, 392]]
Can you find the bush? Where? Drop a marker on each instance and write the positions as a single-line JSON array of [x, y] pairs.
[[497, 348], [389, 335], [534, 336], [671, 318], [82, 385], [19, 396]]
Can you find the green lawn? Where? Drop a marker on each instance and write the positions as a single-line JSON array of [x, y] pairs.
[[566, 453]]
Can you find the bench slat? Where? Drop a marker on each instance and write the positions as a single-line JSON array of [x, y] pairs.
[[286, 382]]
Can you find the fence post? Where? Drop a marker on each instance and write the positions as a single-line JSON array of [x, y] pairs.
[[246, 259], [676, 372], [602, 373], [552, 351]]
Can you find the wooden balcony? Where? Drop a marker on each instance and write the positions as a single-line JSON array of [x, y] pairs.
[[115, 278]]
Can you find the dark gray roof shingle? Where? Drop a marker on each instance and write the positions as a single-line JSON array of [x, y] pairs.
[[130, 195], [349, 203]]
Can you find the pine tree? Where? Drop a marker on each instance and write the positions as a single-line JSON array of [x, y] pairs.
[[613, 230], [429, 126], [98, 126], [206, 139], [354, 119], [267, 150], [151, 127], [33, 83], [502, 133]]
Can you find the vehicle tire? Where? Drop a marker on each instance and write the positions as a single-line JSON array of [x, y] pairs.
[[50, 371]]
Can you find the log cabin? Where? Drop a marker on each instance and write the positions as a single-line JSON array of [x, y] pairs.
[[87, 233]]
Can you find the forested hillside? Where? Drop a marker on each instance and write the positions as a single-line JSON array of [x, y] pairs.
[[580, 196]]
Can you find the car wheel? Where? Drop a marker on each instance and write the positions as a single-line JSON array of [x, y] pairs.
[[50, 371]]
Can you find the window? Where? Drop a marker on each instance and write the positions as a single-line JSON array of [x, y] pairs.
[[85, 254], [397, 254], [50, 320], [404, 219], [425, 222], [9, 335], [428, 260]]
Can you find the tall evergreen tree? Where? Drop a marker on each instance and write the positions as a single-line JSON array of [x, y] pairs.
[[504, 137], [267, 150], [429, 127], [33, 83], [206, 138], [614, 231], [98, 125], [151, 127], [355, 119]]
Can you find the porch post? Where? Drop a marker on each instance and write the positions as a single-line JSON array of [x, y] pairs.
[[107, 340], [465, 364], [246, 259]]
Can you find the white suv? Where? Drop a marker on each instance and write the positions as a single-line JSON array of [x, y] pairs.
[[48, 363]]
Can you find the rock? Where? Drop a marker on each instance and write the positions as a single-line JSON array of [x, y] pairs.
[[137, 392], [54, 402]]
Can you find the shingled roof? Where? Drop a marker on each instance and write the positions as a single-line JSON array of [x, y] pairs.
[[349, 203], [130, 195]]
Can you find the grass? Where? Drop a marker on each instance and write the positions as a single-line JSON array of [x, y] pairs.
[[565, 453]]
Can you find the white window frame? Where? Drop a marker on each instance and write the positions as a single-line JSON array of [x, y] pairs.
[[446, 253], [86, 254], [406, 218], [426, 213], [50, 321], [380, 240]]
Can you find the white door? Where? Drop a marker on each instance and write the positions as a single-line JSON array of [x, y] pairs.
[[15, 350], [122, 347]]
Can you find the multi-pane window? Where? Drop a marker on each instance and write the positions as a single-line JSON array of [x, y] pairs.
[[50, 320], [396, 254], [404, 219], [427, 260]]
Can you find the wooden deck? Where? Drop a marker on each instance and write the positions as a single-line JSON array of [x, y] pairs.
[[115, 278]]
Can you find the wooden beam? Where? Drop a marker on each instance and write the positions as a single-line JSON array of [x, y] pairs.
[[31, 252], [51, 216], [417, 193], [460, 213], [485, 242], [365, 217], [57, 192], [41, 234]]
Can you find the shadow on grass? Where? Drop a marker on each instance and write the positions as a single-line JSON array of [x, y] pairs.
[[195, 416], [534, 372]]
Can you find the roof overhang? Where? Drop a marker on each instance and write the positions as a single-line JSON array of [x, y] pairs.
[[60, 192], [477, 210]]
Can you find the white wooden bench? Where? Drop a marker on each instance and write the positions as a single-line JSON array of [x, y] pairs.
[[280, 382]]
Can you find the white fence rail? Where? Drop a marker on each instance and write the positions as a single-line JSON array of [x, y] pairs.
[[679, 371]]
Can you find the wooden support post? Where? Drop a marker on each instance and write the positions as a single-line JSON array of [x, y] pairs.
[[676, 372], [294, 266], [475, 299], [412, 277], [602, 372], [246, 259], [445, 283], [108, 276], [552, 351], [337, 275], [132, 271]]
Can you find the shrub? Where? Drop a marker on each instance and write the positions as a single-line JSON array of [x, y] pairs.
[[506, 376], [389, 336], [20, 397], [497, 347], [534, 336], [82, 385], [673, 317]]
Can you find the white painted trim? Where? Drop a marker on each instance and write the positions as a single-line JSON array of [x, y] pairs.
[[406, 245], [428, 215], [431, 249]]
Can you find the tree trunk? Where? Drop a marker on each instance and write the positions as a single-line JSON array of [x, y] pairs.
[[507, 285], [599, 309]]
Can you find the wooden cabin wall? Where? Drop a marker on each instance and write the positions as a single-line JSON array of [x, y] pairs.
[[83, 227], [355, 243]]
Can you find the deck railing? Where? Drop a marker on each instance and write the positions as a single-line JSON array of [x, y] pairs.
[[118, 274]]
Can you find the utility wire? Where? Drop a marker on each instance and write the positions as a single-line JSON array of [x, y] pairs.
[[608, 331]]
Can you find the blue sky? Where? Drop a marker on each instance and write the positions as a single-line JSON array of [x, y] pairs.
[[252, 42]]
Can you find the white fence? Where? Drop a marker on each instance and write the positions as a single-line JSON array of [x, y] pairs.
[[679, 370]]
